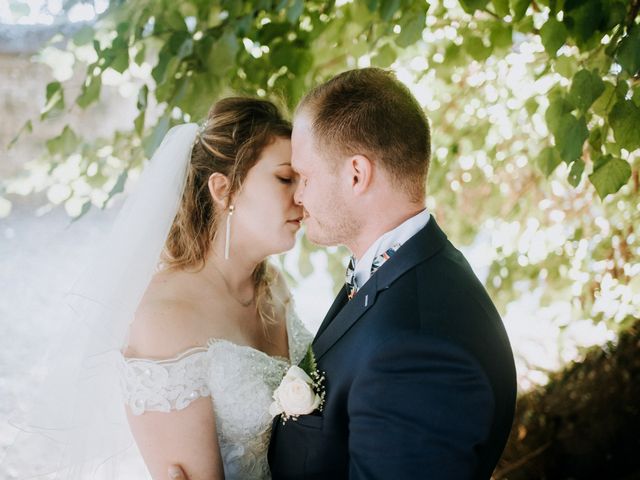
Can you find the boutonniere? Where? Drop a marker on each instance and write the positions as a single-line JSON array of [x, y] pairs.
[[301, 391]]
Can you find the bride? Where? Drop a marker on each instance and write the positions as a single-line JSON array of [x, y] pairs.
[[181, 309], [214, 332]]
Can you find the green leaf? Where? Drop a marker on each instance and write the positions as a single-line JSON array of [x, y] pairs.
[[138, 123], [570, 137], [557, 110], [621, 90], [140, 56], [222, 56], [308, 363], [185, 49], [294, 11], [297, 60], [86, 206], [470, 6], [501, 35], [411, 29], [90, 91], [159, 72], [600, 160], [611, 174], [27, 127], [636, 96], [519, 8], [617, 11], [531, 105], [575, 174], [167, 87], [118, 187], [585, 89], [598, 60], [179, 44], [143, 94], [385, 56], [153, 141], [584, 21], [476, 48], [565, 66], [64, 144], [174, 20], [629, 52], [388, 8], [55, 101], [83, 36], [453, 55], [120, 60], [625, 122], [548, 160], [501, 7], [595, 138], [271, 31], [553, 35], [603, 105]]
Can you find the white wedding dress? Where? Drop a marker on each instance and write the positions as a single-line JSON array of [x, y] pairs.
[[240, 381]]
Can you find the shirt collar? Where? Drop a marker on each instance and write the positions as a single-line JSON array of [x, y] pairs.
[[400, 234]]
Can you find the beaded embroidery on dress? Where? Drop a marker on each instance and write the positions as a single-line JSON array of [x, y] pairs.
[[240, 381]]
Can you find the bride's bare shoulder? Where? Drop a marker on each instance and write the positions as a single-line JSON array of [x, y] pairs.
[[280, 288], [167, 320]]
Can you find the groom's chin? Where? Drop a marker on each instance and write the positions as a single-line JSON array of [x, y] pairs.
[[317, 238]]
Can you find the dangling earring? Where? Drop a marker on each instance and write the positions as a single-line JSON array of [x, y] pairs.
[[228, 233]]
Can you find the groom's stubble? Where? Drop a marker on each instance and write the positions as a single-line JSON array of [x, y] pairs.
[[334, 223]]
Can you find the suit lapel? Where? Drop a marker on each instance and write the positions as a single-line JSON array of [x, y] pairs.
[[350, 313], [339, 302], [341, 317]]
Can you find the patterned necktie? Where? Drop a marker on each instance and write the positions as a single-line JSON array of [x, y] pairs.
[[352, 288]]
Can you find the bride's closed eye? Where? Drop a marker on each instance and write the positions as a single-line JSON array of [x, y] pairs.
[[285, 180]]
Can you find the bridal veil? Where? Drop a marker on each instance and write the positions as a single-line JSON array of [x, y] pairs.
[[76, 426]]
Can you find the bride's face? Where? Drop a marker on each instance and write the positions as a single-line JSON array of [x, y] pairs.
[[266, 218]]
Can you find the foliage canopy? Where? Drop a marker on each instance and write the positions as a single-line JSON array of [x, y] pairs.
[[535, 106]]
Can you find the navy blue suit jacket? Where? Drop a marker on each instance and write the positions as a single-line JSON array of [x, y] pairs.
[[420, 377]]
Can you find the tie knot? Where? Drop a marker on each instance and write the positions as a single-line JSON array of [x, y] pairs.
[[350, 277]]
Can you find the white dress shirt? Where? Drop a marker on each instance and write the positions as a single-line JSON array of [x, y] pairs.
[[400, 234]]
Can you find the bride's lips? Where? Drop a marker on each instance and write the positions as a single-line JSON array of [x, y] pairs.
[[296, 221]]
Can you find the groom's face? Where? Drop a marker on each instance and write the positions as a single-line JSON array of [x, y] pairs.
[[320, 189]]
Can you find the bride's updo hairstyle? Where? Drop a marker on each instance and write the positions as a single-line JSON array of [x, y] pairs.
[[235, 133]]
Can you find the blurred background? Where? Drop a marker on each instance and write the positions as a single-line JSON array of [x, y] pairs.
[[535, 113]]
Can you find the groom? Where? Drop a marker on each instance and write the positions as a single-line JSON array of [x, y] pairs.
[[420, 378]]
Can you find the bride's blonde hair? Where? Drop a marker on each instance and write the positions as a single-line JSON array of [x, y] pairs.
[[235, 133]]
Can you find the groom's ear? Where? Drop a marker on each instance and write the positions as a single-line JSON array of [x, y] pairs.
[[219, 189], [361, 173]]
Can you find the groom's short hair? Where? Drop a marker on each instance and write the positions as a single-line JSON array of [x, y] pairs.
[[370, 112]]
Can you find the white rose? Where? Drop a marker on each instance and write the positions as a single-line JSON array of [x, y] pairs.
[[295, 395]]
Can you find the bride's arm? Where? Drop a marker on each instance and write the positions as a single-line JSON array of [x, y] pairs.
[[181, 437], [185, 432]]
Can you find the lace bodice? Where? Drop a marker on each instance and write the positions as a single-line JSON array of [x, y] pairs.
[[240, 381]]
